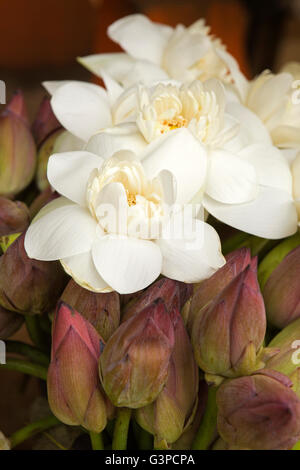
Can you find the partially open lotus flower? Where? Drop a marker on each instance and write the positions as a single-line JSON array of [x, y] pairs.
[[74, 392], [174, 408], [18, 153], [14, 216], [259, 412], [209, 289], [282, 291], [228, 333], [101, 310], [135, 362], [28, 286]]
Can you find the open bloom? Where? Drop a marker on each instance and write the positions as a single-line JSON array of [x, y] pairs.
[[245, 180], [155, 52], [112, 229]]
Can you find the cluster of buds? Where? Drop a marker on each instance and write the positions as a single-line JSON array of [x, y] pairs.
[[74, 390], [228, 330]]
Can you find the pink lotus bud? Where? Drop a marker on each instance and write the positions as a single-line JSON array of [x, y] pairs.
[[282, 291], [9, 323], [29, 286], [166, 289], [174, 408], [45, 122], [259, 412], [101, 310], [135, 361], [14, 217], [229, 332], [74, 392], [17, 148]]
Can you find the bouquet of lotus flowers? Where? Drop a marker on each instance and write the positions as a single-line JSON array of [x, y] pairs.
[[149, 237]]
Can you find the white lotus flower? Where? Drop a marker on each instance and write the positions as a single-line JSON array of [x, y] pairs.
[[155, 52], [111, 230], [246, 181], [275, 99]]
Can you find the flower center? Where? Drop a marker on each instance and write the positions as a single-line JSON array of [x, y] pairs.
[[171, 124], [131, 198]]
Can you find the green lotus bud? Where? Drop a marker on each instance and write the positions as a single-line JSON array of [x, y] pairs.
[[259, 412], [4, 443], [174, 408], [74, 392], [135, 361], [14, 217], [282, 291], [9, 323], [17, 148], [286, 356], [29, 286], [207, 290], [46, 149], [101, 310], [173, 293], [228, 333]]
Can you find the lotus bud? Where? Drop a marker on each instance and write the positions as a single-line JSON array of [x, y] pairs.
[[17, 148], [165, 289], [207, 290], [29, 286], [174, 408], [14, 217], [45, 122], [282, 291], [135, 362], [101, 310], [187, 438], [259, 412], [286, 353], [228, 333], [4, 443], [9, 323], [74, 392]]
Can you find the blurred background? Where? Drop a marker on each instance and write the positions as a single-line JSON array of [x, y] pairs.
[[40, 40]]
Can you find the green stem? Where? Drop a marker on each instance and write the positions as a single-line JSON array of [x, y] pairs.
[[208, 424], [32, 429], [296, 446], [121, 429], [26, 368], [97, 441], [36, 334], [17, 347]]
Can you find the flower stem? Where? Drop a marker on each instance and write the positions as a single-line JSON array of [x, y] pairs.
[[29, 368], [296, 446], [17, 347], [32, 429], [208, 424], [121, 429], [96, 441]]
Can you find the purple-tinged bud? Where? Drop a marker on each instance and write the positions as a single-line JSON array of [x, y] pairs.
[[14, 217], [9, 323], [17, 148], [228, 333], [101, 310], [74, 392], [174, 408], [259, 412], [29, 286], [45, 122], [166, 289], [207, 290], [282, 291], [41, 200], [286, 353], [135, 361]]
